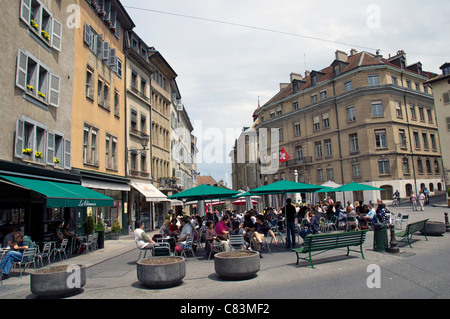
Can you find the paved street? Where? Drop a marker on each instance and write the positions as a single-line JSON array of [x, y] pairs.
[[418, 272]]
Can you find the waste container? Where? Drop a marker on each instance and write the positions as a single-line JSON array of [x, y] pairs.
[[380, 238]]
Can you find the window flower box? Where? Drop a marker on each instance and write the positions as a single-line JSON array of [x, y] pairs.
[[27, 151], [34, 25], [42, 95], [56, 160], [45, 35], [30, 88], [38, 155]]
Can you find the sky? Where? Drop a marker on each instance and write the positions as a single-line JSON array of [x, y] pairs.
[[231, 54]]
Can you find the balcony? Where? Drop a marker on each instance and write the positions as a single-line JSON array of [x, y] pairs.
[[136, 173], [298, 162]]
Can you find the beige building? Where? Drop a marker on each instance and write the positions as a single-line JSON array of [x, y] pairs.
[[441, 93], [36, 111], [364, 118]]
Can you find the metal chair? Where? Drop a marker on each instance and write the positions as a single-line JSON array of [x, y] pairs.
[[188, 247], [217, 248], [163, 249], [278, 234], [28, 257], [351, 220], [61, 249], [87, 244], [237, 242], [331, 223], [94, 244], [46, 252]]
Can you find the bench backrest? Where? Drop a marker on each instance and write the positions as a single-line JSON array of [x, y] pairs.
[[335, 240], [411, 228]]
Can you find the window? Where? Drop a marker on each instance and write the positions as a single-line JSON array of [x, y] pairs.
[[316, 123], [433, 142], [394, 80], [356, 169], [272, 114], [384, 167], [428, 166], [348, 86], [436, 167], [328, 148], [320, 174], [419, 166], [405, 166], [313, 98], [373, 80], [351, 116], [116, 103], [416, 140], [35, 79], [403, 141], [40, 21], [417, 86], [280, 133], [330, 173], [299, 153], [103, 94], [110, 154], [408, 84], [297, 130], [295, 106], [143, 86], [90, 88], [325, 120], [421, 114], [380, 139], [412, 108], [323, 95], [90, 145], [398, 109], [134, 79], [426, 146], [318, 147], [279, 111], [429, 115], [377, 108], [354, 147]]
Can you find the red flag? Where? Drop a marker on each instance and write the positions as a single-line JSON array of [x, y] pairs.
[[284, 156]]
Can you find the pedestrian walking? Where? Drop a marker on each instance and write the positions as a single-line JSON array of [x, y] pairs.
[[413, 201], [289, 213], [421, 198]]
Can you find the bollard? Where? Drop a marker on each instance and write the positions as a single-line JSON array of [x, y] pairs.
[[447, 224], [393, 249]]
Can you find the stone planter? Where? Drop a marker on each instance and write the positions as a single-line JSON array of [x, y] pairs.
[[57, 281], [434, 228], [161, 272], [237, 265]]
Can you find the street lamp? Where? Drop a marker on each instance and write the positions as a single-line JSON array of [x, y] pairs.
[[144, 139]]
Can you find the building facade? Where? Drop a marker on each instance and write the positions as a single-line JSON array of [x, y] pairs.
[[364, 118], [99, 119], [441, 94]]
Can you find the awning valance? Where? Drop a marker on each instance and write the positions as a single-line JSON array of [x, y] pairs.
[[151, 193], [62, 194]]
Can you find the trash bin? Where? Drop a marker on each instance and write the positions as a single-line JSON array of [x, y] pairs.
[[380, 238]]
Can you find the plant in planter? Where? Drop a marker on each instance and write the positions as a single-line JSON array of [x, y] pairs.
[[58, 280], [237, 265], [115, 229], [161, 272], [89, 225], [100, 229], [27, 151], [38, 155]]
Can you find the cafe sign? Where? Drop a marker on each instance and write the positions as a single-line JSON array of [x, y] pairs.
[[86, 203]]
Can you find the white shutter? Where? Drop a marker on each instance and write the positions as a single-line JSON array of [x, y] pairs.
[[100, 46], [56, 34], [67, 154], [50, 148], [106, 52], [55, 86], [21, 74], [87, 34], [113, 60], [25, 11], [19, 138]]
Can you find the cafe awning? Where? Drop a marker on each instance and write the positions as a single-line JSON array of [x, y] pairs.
[[151, 193], [62, 194]]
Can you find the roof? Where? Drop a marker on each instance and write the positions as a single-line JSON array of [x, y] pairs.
[[207, 180]]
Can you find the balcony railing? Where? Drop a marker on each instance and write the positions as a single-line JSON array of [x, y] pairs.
[[298, 161], [134, 172]]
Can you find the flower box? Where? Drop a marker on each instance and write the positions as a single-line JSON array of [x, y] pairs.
[[38, 155], [27, 151]]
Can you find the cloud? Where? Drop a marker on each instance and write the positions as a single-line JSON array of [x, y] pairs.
[[223, 68]]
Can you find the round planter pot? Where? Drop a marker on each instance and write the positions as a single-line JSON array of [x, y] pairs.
[[58, 280], [237, 265], [161, 272], [434, 228]]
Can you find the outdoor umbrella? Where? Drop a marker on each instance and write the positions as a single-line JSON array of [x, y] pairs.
[[283, 187], [241, 202], [203, 192], [356, 187]]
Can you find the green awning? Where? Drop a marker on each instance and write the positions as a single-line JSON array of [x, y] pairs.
[[63, 194]]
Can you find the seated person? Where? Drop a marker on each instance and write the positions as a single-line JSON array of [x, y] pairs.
[[222, 227], [14, 255], [236, 228], [312, 225], [249, 228], [210, 237], [174, 228], [143, 241], [262, 229], [9, 239], [186, 231], [67, 233]]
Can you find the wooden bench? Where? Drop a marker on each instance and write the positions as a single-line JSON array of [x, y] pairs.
[[324, 242], [412, 228]]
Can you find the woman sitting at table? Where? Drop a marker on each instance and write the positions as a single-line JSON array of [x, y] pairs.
[[165, 234], [72, 237], [210, 237]]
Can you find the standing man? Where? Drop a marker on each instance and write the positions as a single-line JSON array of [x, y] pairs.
[[421, 198], [289, 214]]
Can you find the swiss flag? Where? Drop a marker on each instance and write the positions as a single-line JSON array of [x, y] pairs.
[[284, 156]]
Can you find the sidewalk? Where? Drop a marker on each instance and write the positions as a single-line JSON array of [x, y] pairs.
[[16, 285]]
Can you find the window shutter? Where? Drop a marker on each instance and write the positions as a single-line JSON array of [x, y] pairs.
[[106, 52], [87, 34], [446, 97], [113, 60], [67, 154], [56, 34], [100, 46], [25, 11], [21, 75], [50, 148], [55, 85], [19, 138]]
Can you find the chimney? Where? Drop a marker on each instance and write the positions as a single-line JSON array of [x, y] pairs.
[[307, 73], [296, 76], [284, 85], [378, 56], [353, 52], [341, 56]]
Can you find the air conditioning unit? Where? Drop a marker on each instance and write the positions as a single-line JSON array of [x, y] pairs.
[[180, 105]]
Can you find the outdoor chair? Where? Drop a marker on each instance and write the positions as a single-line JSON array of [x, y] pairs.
[[60, 249], [87, 244], [28, 258], [46, 252], [351, 221], [237, 242], [330, 224], [163, 249], [217, 248], [278, 234], [188, 246]]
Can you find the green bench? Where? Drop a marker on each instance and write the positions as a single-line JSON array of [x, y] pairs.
[[411, 229], [324, 242]]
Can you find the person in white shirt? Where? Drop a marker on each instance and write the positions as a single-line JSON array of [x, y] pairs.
[[143, 241], [421, 199]]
